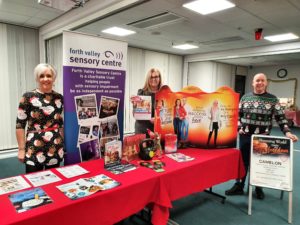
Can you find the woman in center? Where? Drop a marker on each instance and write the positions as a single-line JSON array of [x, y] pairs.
[[152, 84]]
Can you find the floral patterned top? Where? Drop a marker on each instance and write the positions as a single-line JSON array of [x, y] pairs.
[[42, 113]]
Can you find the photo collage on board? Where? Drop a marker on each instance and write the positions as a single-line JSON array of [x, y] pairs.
[[87, 117], [109, 126], [96, 127]]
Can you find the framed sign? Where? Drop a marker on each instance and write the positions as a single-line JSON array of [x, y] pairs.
[[271, 162]]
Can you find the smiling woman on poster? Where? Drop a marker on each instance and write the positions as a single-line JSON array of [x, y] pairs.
[[179, 115], [41, 111], [159, 114]]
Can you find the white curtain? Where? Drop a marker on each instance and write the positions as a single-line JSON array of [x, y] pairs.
[[18, 56], [54, 57], [210, 75]]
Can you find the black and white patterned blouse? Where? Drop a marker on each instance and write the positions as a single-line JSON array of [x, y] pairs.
[[42, 113]]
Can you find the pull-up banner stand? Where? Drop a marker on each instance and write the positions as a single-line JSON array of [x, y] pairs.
[[271, 166], [94, 72]]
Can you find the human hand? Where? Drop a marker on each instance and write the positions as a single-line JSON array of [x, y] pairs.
[[241, 131], [21, 155], [152, 120], [291, 136]]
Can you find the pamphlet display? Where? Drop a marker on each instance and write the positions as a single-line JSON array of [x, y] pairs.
[[131, 146], [87, 186], [12, 184], [141, 107], [206, 120], [170, 143], [112, 158], [29, 199], [113, 153]]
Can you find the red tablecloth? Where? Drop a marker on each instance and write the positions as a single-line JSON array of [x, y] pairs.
[[138, 188]]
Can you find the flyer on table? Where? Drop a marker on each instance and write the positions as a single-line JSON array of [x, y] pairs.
[[12, 184]]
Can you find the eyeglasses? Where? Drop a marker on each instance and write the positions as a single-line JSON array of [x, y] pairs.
[[154, 77]]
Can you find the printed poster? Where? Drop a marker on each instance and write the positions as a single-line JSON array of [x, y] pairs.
[[205, 120], [29, 199], [141, 107], [271, 162], [94, 71]]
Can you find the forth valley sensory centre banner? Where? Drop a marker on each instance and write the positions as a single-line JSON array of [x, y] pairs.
[[94, 71]]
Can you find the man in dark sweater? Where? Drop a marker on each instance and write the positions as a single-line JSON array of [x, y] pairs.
[[256, 110]]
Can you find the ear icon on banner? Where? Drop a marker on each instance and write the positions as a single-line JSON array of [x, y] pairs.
[[108, 54]]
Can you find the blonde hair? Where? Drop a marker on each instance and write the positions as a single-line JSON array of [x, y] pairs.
[[39, 69], [148, 77]]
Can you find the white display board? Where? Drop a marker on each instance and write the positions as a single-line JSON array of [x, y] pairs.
[[271, 162], [271, 166]]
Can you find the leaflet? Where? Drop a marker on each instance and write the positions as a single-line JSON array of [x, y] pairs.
[[72, 171], [180, 157], [141, 107], [42, 178], [12, 184], [87, 186]]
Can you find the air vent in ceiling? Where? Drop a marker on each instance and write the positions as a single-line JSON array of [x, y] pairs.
[[158, 20], [223, 40], [63, 5]]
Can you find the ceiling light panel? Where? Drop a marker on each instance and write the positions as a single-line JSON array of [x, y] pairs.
[[118, 31], [281, 37], [185, 46], [205, 7]]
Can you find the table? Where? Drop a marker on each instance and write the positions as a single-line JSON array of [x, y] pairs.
[[210, 167], [138, 188]]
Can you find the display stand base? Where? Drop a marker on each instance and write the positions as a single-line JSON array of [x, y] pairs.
[[222, 197], [290, 205]]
